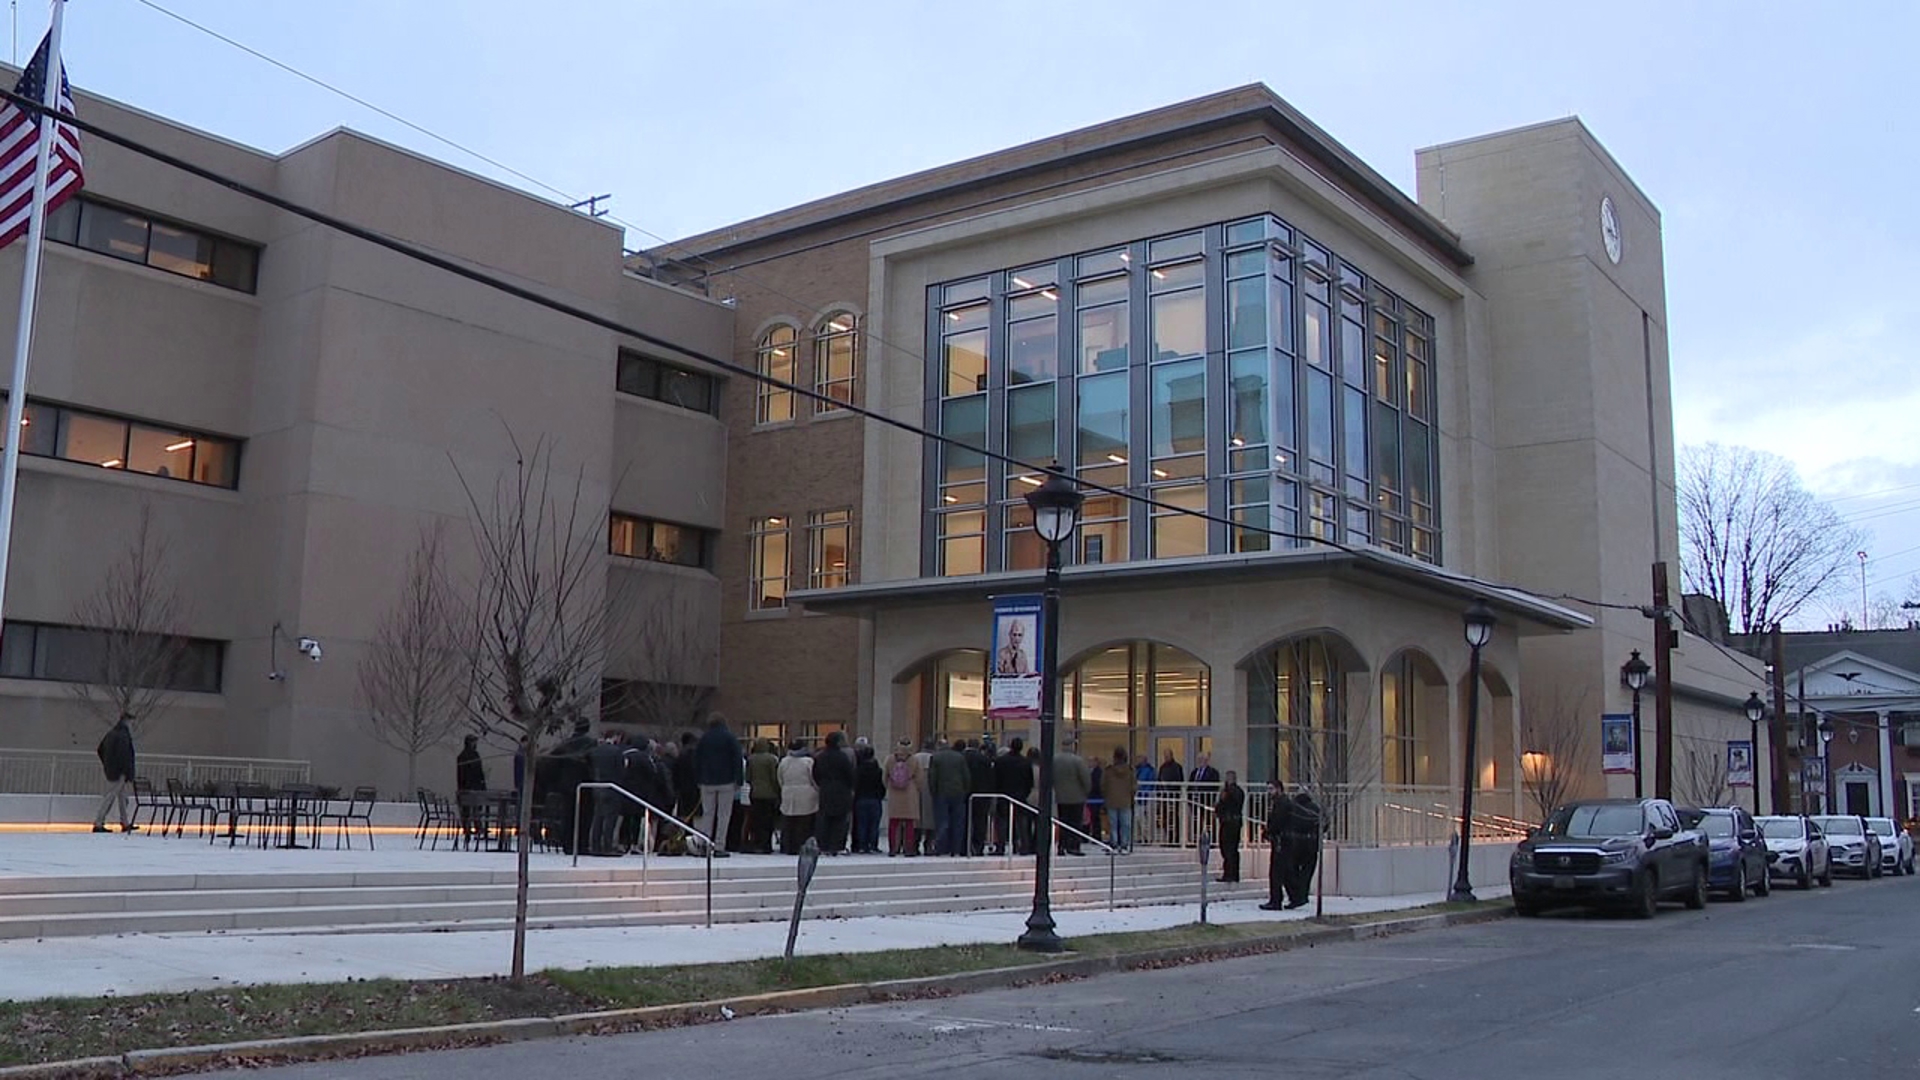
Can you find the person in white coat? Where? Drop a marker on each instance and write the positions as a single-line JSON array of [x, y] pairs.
[[799, 797]]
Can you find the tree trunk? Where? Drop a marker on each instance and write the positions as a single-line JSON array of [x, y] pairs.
[[525, 847], [412, 786]]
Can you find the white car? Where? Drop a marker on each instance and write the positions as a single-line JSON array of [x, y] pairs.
[[1796, 850], [1896, 847], [1851, 846]]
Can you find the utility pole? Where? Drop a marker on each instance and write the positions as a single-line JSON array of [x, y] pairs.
[[1864, 623], [1776, 728], [1663, 635]]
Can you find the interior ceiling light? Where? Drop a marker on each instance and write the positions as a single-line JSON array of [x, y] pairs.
[[183, 444]]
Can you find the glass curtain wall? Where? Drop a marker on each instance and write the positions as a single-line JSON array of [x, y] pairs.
[[1297, 716], [1241, 370], [1115, 697]]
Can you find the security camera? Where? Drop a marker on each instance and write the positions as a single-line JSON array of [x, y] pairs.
[[310, 648]]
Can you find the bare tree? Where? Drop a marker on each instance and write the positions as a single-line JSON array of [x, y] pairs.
[[538, 630], [138, 611], [413, 677], [1556, 747], [664, 642], [1754, 538], [1706, 777]]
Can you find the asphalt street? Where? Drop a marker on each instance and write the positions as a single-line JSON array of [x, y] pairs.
[[1821, 984]]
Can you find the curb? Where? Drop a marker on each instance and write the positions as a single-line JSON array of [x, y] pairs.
[[319, 1047]]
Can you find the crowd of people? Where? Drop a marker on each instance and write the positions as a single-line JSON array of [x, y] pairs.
[[766, 798]]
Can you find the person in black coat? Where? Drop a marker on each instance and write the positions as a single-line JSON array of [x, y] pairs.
[[981, 777], [1279, 840], [116, 761], [1303, 848], [469, 774], [567, 770], [1013, 777], [686, 780], [1229, 810], [719, 767], [833, 775], [607, 764], [869, 801]]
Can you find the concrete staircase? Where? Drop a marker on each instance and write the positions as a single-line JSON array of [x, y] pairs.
[[600, 892]]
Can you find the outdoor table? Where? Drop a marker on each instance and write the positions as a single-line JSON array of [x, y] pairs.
[[496, 812], [289, 798]]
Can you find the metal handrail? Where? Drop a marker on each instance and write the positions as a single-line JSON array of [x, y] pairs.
[[646, 848], [1006, 850]]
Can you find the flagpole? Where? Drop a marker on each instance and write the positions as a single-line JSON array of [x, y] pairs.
[[29, 290]]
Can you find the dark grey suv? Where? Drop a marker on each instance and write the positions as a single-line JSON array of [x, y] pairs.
[[1628, 853]]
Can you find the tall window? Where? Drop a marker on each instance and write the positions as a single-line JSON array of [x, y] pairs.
[[80, 654], [774, 359], [1297, 713], [835, 361], [1241, 371], [767, 563], [829, 542]]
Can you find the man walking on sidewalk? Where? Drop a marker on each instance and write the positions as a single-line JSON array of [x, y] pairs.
[[116, 759]]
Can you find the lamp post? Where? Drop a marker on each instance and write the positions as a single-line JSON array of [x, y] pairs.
[[1756, 711], [1478, 625], [1635, 672], [1826, 762], [1056, 511]]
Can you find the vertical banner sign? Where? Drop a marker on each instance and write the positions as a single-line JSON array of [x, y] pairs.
[[1813, 776], [1013, 667], [1740, 763], [1616, 743]]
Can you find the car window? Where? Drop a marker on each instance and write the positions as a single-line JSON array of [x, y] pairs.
[[1881, 826], [1719, 825], [1841, 826], [1595, 822], [1668, 819], [1782, 828]]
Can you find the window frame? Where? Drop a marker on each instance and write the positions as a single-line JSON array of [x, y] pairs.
[[653, 384], [67, 226], [820, 524], [55, 418], [14, 631], [644, 530], [760, 532], [774, 405], [825, 337]]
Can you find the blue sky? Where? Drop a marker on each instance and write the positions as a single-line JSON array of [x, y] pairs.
[[1776, 138]]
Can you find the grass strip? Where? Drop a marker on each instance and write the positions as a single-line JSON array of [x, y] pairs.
[[60, 1029]]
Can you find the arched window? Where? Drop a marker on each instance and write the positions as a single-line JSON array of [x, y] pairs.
[[774, 359], [836, 361], [1413, 721], [1144, 697], [1297, 711], [946, 696]]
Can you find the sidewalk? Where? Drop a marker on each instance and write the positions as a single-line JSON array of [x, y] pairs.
[[156, 963]]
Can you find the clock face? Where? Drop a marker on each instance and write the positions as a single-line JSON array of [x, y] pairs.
[[1609, 229]]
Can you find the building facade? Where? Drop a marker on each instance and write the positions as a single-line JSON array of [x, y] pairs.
[[1314, 418]]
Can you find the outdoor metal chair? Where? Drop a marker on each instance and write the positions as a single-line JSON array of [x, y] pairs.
[[437, 819], [145, 800], [359, 808], [182, 804]]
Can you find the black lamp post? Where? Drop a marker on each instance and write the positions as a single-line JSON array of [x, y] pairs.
[[1756, 711], [1056, 512], [1826, 762], [1478, 624], [1635, 672]]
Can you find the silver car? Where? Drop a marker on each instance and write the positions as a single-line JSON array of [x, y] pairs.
[[1796, 850], [1896, 847]]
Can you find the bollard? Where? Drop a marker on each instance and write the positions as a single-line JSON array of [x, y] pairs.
[[809, 862], [1453, 858]]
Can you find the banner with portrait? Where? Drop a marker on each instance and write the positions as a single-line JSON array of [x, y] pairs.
[[1739, 763], [1813, 776], [1616, 743], [1013, 664]]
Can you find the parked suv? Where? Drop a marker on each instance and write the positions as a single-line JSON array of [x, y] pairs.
[[1628, 852], [1797, 850], [1853, 848], [1737, 859], [1896, 847]]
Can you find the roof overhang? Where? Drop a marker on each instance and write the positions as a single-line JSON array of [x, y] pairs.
[[1373, 569]]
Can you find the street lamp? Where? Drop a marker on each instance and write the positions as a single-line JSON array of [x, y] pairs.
[[1635, 672], [1056, 511], [1756, 711], [1478, 626], [1826, 762]]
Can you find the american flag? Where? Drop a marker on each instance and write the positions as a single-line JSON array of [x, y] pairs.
[[20, 145]]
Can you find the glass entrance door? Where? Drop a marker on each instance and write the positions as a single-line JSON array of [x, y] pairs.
[[1185, 747]]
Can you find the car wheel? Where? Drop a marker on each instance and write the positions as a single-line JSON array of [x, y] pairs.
[[1826, 877], [1764, 887], [1806, 877], [1526, 909], [1739, 891], [1909, 866], [1646, 902], [1697, 897]]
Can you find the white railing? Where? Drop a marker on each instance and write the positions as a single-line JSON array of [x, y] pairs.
[[77, 772], [1373, 815]]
